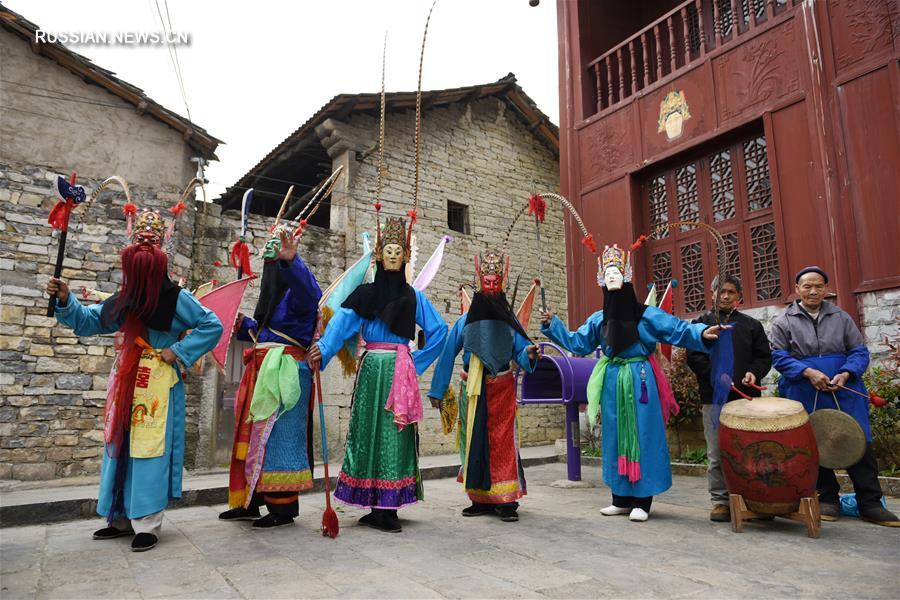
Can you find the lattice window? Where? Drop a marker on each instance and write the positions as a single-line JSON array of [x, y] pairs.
[[766, 268], [693, 19], [662, 270], [722, 185], [711, 189], [687, 196], [726, 22], [755, 7], [756, 162], [732, 255], [659, 207], [692, 283]]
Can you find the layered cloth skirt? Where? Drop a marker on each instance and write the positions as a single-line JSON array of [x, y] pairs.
[[274, 454], [491, 470], [381, 465]]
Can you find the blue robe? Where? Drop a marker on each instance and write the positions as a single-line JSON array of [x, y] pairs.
[[151, 482], [347, 322], [443, 371], [287, 465], [656, 326]]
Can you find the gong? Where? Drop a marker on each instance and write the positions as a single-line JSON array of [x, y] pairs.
[[840, 439]]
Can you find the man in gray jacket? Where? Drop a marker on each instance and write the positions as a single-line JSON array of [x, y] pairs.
[[818, 350]]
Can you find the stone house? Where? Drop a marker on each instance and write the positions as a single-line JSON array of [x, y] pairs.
[[483, 147], [62, 113]]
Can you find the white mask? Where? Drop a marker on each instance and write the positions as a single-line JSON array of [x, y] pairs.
[[613, 279]]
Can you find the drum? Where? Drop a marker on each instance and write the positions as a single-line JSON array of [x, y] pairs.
[[769, 453]]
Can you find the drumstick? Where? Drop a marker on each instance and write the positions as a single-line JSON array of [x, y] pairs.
[[873, 398], [743, 395]]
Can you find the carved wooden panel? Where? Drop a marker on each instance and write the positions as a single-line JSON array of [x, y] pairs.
[[692, 279], [661, 265], [687, 195], [697, 88], [722, 185], [657, 204], [759, 72], [732, 255], [756, 165], [606, 146], [862, 29], [766, 265]]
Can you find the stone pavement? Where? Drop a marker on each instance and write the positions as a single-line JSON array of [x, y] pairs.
[[561, 548]]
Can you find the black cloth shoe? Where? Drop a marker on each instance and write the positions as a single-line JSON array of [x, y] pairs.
[[240, 514], [111, 533], [386, 520], [829, 512], [271, 520], [508, 514], [367, 519], [880, 516], [477, 509], [143, 542]]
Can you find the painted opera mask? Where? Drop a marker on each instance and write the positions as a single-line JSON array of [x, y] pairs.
[[393, 245], [615, 268], [491, 269]]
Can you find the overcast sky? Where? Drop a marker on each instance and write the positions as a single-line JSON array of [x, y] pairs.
[[255, 71]]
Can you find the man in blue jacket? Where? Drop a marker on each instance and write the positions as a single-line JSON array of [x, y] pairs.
[[817, 348]]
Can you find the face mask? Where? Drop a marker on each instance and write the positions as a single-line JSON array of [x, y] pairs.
[[613, 279], [392, 257]]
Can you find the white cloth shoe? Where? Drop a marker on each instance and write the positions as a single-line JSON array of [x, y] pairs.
[[639, 515], [614, 510]]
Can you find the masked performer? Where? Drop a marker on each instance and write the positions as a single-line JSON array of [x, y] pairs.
[[490, 336], [271, 460], [380, 469], [628, 387], [145, 408]]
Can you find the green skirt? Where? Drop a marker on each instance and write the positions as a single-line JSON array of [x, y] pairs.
[[381, 465]]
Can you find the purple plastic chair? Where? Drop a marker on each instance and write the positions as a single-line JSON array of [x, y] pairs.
[[560, 380]]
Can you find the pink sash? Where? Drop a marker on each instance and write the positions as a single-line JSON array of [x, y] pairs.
[[667, 401], [404, 399]]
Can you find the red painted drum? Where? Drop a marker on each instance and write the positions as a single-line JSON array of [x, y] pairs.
[[769, 453]]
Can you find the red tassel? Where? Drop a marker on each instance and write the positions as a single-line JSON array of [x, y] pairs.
[[217, 263], [129, 209], [59, 216], [589, 242], [215, 282], [239, 258], [639, 242], [537, 206], [176, 210], [377, 206], [877, 400], [413, 217]]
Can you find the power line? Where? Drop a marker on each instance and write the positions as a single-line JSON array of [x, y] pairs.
[[75, 100], [170, 49], [177, 62]]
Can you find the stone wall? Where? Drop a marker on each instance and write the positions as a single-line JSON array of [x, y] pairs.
[[52, 383], [880, 318]]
